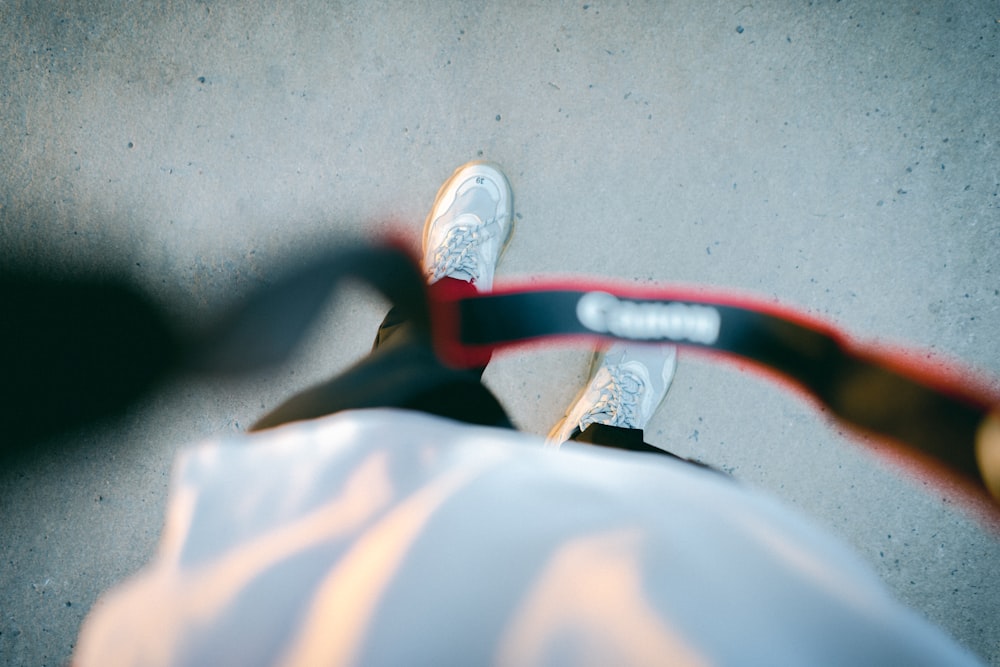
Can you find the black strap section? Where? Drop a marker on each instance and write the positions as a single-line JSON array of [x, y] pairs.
[[863, 391], [74, 350], [266, 329], [867, 388], [861, 387]]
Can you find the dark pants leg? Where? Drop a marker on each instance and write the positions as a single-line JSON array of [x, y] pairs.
[[630, 439], [402, 371]]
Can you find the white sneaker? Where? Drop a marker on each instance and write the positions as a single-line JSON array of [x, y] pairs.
[[630, 383], [469, 226]]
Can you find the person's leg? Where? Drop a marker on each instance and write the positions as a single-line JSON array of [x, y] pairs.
[[617, 437], [631, 439], [628, 383], [395, 329], [464, 236], [405, 375]]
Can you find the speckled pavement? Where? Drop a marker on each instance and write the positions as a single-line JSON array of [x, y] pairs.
[[840, 157]]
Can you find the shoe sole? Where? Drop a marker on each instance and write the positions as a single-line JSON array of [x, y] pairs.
[[551, 439], [444, 186]]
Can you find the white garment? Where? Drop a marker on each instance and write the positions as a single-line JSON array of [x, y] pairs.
[[386, 537]]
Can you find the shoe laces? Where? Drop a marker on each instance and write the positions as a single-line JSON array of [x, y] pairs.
[[459, 253], [618, 400]]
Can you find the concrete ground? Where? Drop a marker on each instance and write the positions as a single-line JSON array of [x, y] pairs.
[[838, 156]]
